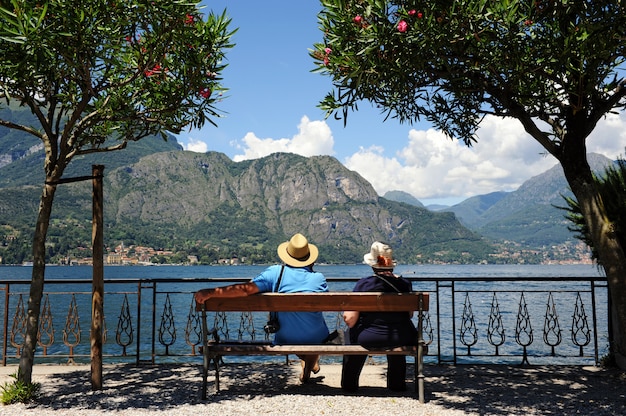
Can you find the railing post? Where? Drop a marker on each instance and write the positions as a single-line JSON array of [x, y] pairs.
[[205, 354], [5, 325], [138, 352], [594, 319], [452, 289], [154, 291], [97, 300], [438, 323]]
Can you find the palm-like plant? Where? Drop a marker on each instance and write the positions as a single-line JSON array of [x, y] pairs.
[[612, 187]]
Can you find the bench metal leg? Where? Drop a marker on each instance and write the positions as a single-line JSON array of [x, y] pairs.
[[217, 373], [205, 371], [205, 374], [419, 374]]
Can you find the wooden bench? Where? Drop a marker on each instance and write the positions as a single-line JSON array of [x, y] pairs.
[[214, 349]]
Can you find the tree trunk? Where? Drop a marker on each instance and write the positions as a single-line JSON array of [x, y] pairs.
[[36, 286], [610, 252]]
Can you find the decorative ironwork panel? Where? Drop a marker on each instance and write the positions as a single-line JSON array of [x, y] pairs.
[[220, 323], [495, 330], [551, 327], [523, 328], [427, 328], [18, 329], [124, 332], [167, 329], [193, 328], [246, 326], [71, 331], [45, 336], [581, 334], [468, 331]]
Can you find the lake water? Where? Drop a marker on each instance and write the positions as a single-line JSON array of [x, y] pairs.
[[450, 303], [330, 271]]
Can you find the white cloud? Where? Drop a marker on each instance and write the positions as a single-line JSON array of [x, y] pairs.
[[194, 145], [313, 138], [609, 137], [432, 166]]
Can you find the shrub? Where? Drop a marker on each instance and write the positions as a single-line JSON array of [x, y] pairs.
[[18, 391]]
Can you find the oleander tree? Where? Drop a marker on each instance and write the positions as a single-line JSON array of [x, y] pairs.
[[98, 74], [553, 65]]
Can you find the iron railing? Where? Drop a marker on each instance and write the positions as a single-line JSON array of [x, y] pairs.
[[471, 320]]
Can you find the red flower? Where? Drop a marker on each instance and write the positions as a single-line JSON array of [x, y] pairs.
[[412, 12], [357, 19], [402, 26], [189, 19], [420, 15], [205, 92], [154, 71]]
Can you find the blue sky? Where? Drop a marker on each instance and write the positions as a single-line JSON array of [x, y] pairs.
[[272, 106]]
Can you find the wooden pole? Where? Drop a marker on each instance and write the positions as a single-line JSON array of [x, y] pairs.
[[97, 294]]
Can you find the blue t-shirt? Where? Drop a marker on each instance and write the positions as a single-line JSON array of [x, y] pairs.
[[296, 327]]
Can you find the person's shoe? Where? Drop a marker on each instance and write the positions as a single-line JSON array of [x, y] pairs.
[[400, 387], [349, 388]]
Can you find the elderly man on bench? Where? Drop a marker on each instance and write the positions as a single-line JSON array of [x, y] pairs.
[[296, 275]]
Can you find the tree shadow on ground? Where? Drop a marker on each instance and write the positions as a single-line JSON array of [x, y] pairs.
[[544, 390], [476, 389]]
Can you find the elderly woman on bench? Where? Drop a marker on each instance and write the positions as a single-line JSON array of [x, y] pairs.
[[379, 329]]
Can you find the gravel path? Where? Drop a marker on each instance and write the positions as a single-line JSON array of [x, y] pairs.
[[273, 389]]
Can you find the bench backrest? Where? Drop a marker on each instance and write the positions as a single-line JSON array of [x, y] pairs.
[[321, 302]]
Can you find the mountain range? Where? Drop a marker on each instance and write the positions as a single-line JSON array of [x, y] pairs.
[[206, 205], [530, 216]]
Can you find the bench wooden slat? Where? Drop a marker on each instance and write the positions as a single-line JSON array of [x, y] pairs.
[[321, 302], [218, 349]]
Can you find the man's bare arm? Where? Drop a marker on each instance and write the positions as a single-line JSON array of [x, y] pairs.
[[231, 291]]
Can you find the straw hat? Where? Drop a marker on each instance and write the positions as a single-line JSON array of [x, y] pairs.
[[297, 252], [380, 257]]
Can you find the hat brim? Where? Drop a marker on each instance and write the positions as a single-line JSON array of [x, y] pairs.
[[290, 261]]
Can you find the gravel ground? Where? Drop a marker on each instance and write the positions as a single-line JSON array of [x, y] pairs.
[[273, 389]]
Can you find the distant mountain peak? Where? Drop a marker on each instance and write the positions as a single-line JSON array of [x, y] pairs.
[[405, 197]]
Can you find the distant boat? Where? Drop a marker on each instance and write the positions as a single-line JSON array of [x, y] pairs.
[[27, 263]]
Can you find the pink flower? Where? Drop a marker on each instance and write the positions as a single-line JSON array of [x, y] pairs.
[[412, 12], [402, 26], [328, 51], [357, 19], [326, 61]]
